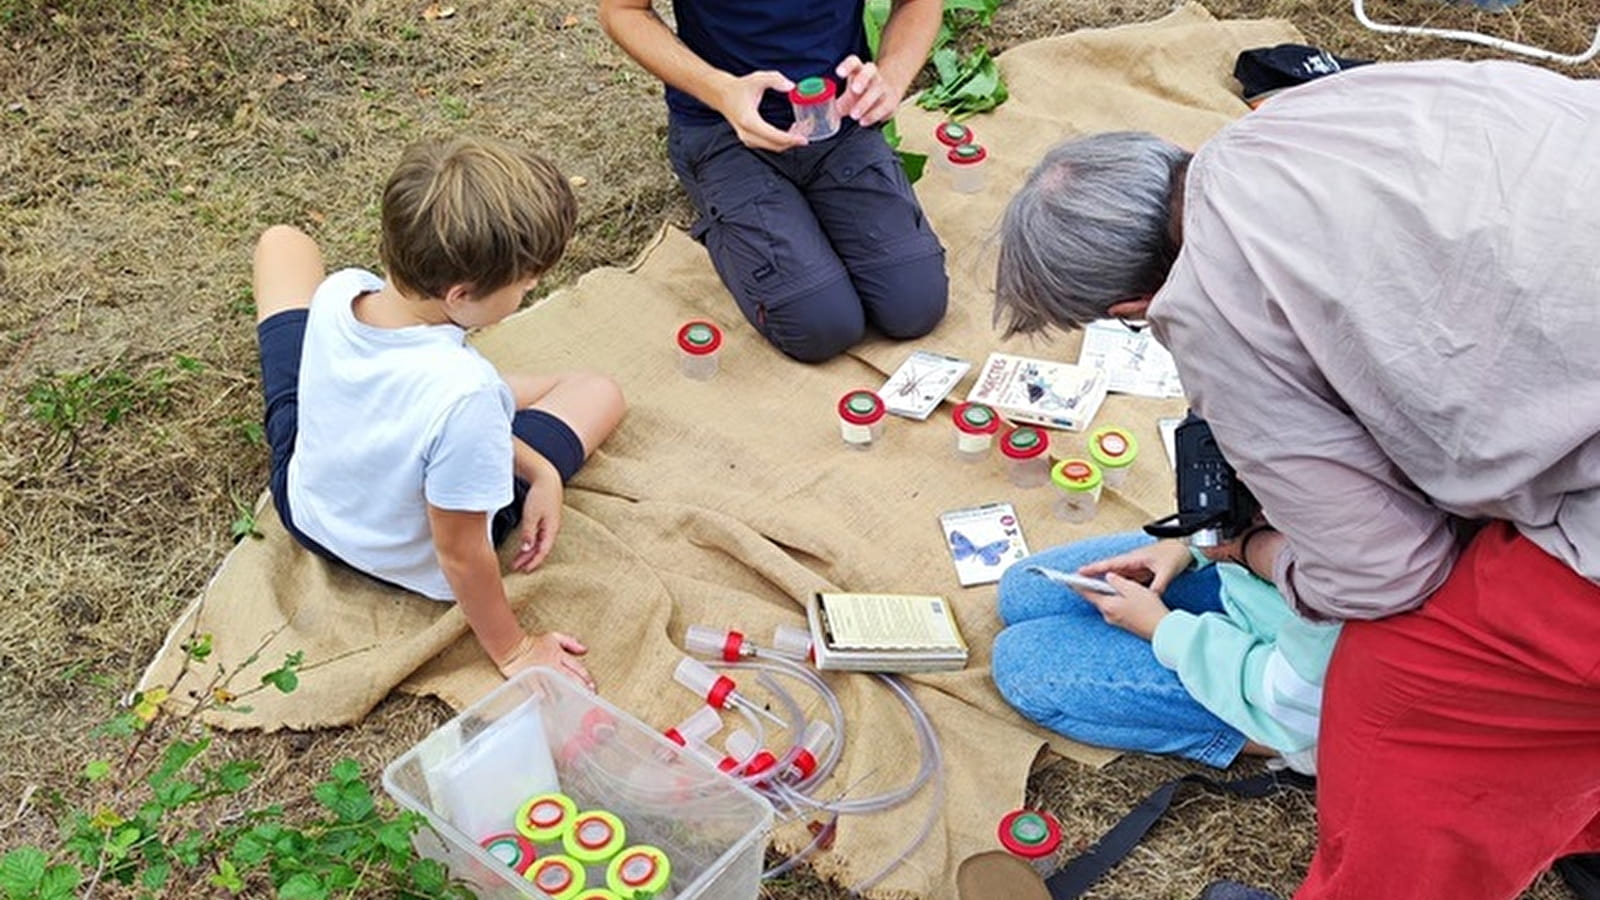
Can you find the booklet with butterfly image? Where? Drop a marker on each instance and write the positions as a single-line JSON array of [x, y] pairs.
[[983, 541], [884, 633]]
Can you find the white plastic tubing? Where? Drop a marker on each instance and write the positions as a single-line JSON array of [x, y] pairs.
[[1476, 38]]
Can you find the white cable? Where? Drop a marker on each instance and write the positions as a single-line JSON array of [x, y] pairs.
[[1476, 38]]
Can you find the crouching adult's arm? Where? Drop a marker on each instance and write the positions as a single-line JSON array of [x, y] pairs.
[[636, 28]]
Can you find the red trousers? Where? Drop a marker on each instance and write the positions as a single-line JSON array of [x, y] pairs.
[[1460, 744]]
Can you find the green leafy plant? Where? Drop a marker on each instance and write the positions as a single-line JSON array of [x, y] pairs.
[[69, 404], [170, 818]]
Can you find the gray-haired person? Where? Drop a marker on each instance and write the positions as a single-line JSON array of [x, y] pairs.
[[1382, 290]]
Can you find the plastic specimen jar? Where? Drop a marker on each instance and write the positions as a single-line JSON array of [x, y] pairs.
[[514, 850], [597, 894], [1079, 482], [698, 343], [562, 877], [1026, 450], [640, 872], [595, 837], [1034, 836], [976, 425], [816, 117], [861, 416], [545, 818], [968, 169]]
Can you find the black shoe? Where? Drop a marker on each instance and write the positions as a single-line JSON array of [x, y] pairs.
[[1233, 890]]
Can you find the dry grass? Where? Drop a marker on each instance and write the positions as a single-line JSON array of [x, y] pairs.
[[145, 143]]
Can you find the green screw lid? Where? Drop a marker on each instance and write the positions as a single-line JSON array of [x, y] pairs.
[[1112, 447], [1076, 475], [811, 87], [861, 403], [1025, 442], [700, 335]]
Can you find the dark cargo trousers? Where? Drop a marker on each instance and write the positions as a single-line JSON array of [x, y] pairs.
[[815, 243]]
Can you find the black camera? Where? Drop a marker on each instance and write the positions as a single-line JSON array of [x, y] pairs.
[[1214, 506]]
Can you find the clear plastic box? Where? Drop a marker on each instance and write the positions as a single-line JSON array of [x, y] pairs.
[[541, 732]]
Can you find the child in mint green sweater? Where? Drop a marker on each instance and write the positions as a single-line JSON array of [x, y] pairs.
[[1205, 661]]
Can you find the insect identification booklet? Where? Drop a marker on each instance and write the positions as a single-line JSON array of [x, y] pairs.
[[921, 383], [983, 540], [1134, 362]]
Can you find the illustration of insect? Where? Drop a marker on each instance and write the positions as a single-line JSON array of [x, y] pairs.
[[991, 554]]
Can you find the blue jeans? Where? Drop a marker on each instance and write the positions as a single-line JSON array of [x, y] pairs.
[[1061, 665]]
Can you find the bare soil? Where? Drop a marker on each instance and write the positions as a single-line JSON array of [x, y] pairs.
[[144, 144]]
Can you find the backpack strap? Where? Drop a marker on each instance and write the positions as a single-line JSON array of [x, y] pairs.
[[1074, 878]]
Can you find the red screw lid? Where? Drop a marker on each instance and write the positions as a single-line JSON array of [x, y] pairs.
[[1025, 442], [967, 155], [699, 337], [953, 134], [975, 418], [811, 91], [1029, 834], [861, 408]]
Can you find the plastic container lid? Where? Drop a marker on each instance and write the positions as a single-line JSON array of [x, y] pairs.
[[861, 408], [967, 155], [514, 850], [544, 817], [953, 134], [1113, 447], [975, 418], [595, 837], [1029, 834], [699, 337], [559, 876], [811, 91], [1076, 475], [640, 870], [597, 894], [1025, 442]]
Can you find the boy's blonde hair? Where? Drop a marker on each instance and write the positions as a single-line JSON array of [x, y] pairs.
[[473, 211]]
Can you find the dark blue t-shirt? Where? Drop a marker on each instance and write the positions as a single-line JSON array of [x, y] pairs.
[[799, 38]]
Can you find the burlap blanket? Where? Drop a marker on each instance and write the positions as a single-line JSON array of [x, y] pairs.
[[725, 502]]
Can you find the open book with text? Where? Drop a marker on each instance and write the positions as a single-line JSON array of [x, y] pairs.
[[884, 633]]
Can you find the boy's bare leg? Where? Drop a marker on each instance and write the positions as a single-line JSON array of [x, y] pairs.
[[287, 269], [591, 404]]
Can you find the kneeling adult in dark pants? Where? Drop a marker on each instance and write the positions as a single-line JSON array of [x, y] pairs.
[[815, 241]]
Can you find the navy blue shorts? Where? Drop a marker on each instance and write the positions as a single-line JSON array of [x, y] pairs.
[[815, 243], [281, 337]]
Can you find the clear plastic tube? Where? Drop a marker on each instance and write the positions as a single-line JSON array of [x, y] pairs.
[[717, 643], [784, 666], [932, 752]]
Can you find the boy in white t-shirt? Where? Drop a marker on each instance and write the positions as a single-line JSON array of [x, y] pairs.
[[396, 448]]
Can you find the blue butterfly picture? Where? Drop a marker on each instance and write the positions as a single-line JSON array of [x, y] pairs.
[[991, 554]]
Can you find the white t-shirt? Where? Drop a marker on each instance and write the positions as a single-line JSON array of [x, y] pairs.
[[393, 419]]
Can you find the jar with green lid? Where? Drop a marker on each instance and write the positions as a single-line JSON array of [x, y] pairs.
[[1027, 453], [699, 343], [595, 837], [1078, 482], [861, 416], [976, 426], [1034, 836], [969, 171], [1113, 450], [546, 817], [816, 114]]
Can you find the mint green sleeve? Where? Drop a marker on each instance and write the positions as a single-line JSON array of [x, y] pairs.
[[1222, 665]]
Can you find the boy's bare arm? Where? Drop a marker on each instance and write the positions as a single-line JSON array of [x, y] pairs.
[[461, 540]]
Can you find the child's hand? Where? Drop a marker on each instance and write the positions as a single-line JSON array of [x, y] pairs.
[[552, 649], [541, 519], [1154, 565], [1134, 608]]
